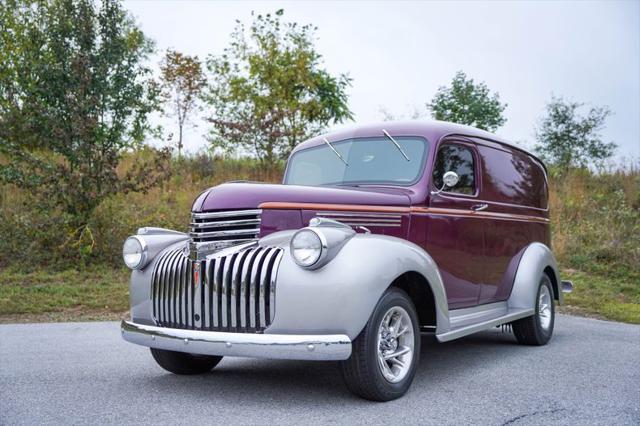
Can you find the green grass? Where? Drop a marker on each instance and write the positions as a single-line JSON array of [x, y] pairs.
[[615, 296], [99, 293]]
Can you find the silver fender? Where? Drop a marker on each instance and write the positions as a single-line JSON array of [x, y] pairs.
[[340, 297], [536, 258], [158, 240]]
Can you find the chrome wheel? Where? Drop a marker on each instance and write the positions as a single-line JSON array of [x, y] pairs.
[[395, 344], [544, 307]]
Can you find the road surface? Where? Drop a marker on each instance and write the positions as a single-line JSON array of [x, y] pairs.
[[83, 373]]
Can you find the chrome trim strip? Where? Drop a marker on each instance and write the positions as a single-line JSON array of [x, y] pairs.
[[360, 219], [229, 213], [221, 223], [389, 225], [234, 289], [361, 214], [326, 347], [226, 233]]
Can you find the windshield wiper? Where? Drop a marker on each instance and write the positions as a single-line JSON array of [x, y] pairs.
[[334, 150], [396, 144]]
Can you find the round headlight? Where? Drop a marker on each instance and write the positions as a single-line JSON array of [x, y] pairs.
[[306, 248], [134, 252]]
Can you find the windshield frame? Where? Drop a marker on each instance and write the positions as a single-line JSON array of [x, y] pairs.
[[419, 176]]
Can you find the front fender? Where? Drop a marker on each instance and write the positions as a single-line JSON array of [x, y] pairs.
[[340, 297]]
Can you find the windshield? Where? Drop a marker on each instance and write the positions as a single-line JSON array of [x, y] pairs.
[[364, 161]]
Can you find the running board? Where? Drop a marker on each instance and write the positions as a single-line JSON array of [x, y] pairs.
[[466, 329]]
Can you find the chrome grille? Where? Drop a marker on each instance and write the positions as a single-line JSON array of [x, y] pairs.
[[233, 292], [232, 226]]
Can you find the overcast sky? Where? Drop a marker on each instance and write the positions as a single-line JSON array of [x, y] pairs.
[[398, 53]]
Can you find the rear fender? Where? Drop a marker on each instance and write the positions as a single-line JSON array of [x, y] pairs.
[[536, 260]]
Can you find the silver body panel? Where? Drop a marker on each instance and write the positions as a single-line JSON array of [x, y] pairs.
[[336, 299]]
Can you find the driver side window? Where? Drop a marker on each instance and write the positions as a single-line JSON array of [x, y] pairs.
[[455, 158]]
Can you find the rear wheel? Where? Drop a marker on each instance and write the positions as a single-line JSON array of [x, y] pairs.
[[537, 329], [183, 363], [386, 353]]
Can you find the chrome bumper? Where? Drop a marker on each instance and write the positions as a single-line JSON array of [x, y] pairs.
[[279, 346]]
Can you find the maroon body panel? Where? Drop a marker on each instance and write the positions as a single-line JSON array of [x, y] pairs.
[[477, 253]]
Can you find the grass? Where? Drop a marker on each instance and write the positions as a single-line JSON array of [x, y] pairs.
[[614, 297], [97, 294], [47, 272]]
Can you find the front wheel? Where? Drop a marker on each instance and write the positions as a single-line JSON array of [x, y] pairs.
[[386, 353], [183, 363], [537, 329]]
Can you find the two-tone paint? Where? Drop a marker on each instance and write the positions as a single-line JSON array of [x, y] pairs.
[[478, 258]]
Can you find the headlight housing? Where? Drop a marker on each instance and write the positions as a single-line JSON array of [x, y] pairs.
[[135, 252], [307, 248]]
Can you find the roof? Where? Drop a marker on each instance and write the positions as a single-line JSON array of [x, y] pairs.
[[433, 130]]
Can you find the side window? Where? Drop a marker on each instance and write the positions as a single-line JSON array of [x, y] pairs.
[[459, 159]]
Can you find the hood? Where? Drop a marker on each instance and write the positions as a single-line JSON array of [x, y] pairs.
[[250, 195]]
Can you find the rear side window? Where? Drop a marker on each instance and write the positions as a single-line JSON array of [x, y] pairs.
[[456, 158]]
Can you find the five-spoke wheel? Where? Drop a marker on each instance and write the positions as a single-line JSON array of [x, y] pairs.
[[386, 353]]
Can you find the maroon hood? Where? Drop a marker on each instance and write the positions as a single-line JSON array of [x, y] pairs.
[[250, 195]]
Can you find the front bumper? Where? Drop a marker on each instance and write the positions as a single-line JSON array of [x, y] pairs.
[[280, 346]]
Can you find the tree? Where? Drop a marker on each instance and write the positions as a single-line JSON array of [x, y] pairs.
[[74, 96], [466, 102], [182, 83], [567, 139], [268, 92]]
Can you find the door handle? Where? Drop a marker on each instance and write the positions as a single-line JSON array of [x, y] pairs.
[[479, 207]]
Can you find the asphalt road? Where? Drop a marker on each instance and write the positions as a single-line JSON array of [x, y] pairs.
[[83, 373]]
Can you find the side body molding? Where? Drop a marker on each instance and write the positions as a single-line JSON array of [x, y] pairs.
[[536, 258], [340, 296]]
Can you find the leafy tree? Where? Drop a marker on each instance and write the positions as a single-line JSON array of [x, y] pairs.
[[567, 139], [466, 102], [182, 83], [268, 92], [74, 96]]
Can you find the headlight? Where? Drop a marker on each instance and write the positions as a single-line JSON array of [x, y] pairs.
[[306, 248], [134, 252]]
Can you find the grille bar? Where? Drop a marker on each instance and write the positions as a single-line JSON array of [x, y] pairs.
[[232, 293], [215, 230]]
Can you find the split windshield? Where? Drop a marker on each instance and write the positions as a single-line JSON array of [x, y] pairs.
[[364, 161]]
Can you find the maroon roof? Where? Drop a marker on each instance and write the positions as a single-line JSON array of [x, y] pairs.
[[432, 130]]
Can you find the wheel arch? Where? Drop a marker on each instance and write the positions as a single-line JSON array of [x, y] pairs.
[[419, 291]]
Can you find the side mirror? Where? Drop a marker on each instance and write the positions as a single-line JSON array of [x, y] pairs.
[[449, 180]]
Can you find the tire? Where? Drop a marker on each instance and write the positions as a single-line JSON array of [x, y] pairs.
[[537, 329], [183, 363], [363, 371]]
